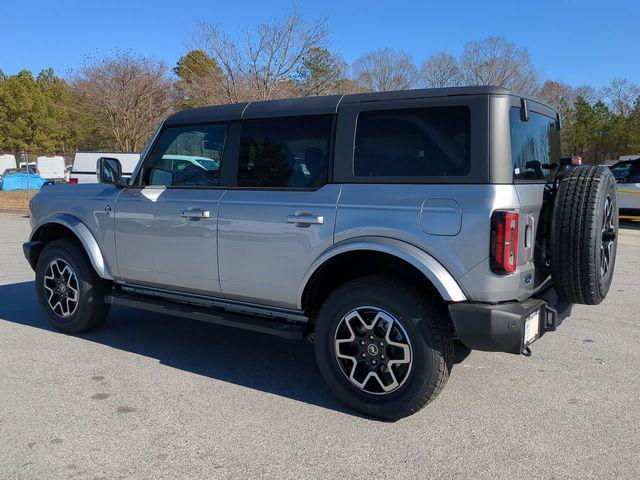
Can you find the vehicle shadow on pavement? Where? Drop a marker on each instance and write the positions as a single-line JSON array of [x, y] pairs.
[[262, 362]]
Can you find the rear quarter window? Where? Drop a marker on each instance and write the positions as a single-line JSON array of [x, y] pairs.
[[429, 142], [535, 146]]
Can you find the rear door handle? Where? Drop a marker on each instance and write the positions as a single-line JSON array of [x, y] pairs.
[[195, 214], [303, 219]]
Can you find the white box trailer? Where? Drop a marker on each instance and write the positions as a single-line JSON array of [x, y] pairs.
[[51, 168], [85, 163], [6, 161]]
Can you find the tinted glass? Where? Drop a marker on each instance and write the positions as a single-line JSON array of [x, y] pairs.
[[186, 157], [535, 145], [621, 171], [432, 142], [286, 152]]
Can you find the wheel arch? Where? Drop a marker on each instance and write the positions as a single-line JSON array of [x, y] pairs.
[[421, 265], [68, 226]]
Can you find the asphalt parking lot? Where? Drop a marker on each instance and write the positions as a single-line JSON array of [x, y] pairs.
[[150, 396]]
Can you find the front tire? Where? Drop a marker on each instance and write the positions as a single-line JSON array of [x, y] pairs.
[[382, 347], [70, 293]]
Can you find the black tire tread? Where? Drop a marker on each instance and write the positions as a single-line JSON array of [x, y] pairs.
[[576, 213]]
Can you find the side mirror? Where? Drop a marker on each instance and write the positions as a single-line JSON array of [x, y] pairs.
[[109, 170]]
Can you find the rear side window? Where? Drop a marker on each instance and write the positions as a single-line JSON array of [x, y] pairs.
[[535, 145], [430, 142], [285, 152], [186, 157]]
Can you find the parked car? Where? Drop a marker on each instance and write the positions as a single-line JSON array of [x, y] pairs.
[[21, 181], [7, 161], [379, 225], [51, 168], [84, 165], [627, 175]]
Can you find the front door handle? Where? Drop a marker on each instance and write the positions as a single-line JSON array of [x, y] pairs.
[[304, 219], [195, 214]]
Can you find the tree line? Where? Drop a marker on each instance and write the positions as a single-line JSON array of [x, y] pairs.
[[116, 101]]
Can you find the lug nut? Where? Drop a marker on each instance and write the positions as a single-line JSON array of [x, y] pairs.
[[382, 357], [363, 355], [371, 337], [373, 362], [361, 342], [381, 344]]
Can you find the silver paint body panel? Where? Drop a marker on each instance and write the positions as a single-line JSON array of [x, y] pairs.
[[247, 251]]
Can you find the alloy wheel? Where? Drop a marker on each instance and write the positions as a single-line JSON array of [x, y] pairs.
[[373, 350], [61, 288], [608, 236]]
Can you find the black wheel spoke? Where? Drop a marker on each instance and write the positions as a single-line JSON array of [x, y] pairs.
[[608, 236]]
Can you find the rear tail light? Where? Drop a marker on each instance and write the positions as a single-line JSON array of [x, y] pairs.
[[73, 181], [504, 242]]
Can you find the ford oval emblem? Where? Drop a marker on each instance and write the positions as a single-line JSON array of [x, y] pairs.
[[528, 279]]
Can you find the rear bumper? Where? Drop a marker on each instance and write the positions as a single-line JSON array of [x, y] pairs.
[[501, 327]]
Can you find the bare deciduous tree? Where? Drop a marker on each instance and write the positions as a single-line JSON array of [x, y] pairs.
[[621, 95], [133, 94], [259, 64], [385, 69], [495, 61], [440, 70], [562, 96]]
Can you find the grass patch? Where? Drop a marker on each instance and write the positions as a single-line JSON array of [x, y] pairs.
[[16, 199]]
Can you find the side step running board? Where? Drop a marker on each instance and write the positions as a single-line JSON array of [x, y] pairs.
[[218, 317]]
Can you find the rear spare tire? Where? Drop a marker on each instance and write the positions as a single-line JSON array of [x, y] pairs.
[[583, 237]]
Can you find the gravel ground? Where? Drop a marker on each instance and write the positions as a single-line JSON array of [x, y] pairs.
[[149, 396]]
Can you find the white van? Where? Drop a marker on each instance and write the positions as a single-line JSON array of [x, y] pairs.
[[51, 168], [6, 161], [84, 165]]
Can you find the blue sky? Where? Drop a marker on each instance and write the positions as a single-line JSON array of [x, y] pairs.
[[574, 41]]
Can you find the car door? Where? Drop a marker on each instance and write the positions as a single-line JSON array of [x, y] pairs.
[[628, 177], [166, 223], [281, 215]]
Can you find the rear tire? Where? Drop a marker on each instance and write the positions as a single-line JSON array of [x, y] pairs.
[[584, 228], [418, 331], [70, 293]]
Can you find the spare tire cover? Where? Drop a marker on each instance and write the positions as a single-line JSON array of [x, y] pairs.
[[584, 234]]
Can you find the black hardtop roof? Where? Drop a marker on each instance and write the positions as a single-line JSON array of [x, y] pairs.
[[323, 105]]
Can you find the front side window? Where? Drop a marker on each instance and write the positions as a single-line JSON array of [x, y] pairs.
[[285, 152], [535, 145], [429, 142], [186, 157]]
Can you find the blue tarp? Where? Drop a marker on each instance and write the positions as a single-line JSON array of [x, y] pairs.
[[19, 181]]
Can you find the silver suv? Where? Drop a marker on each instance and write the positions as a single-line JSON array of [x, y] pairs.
[[382, 226]]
